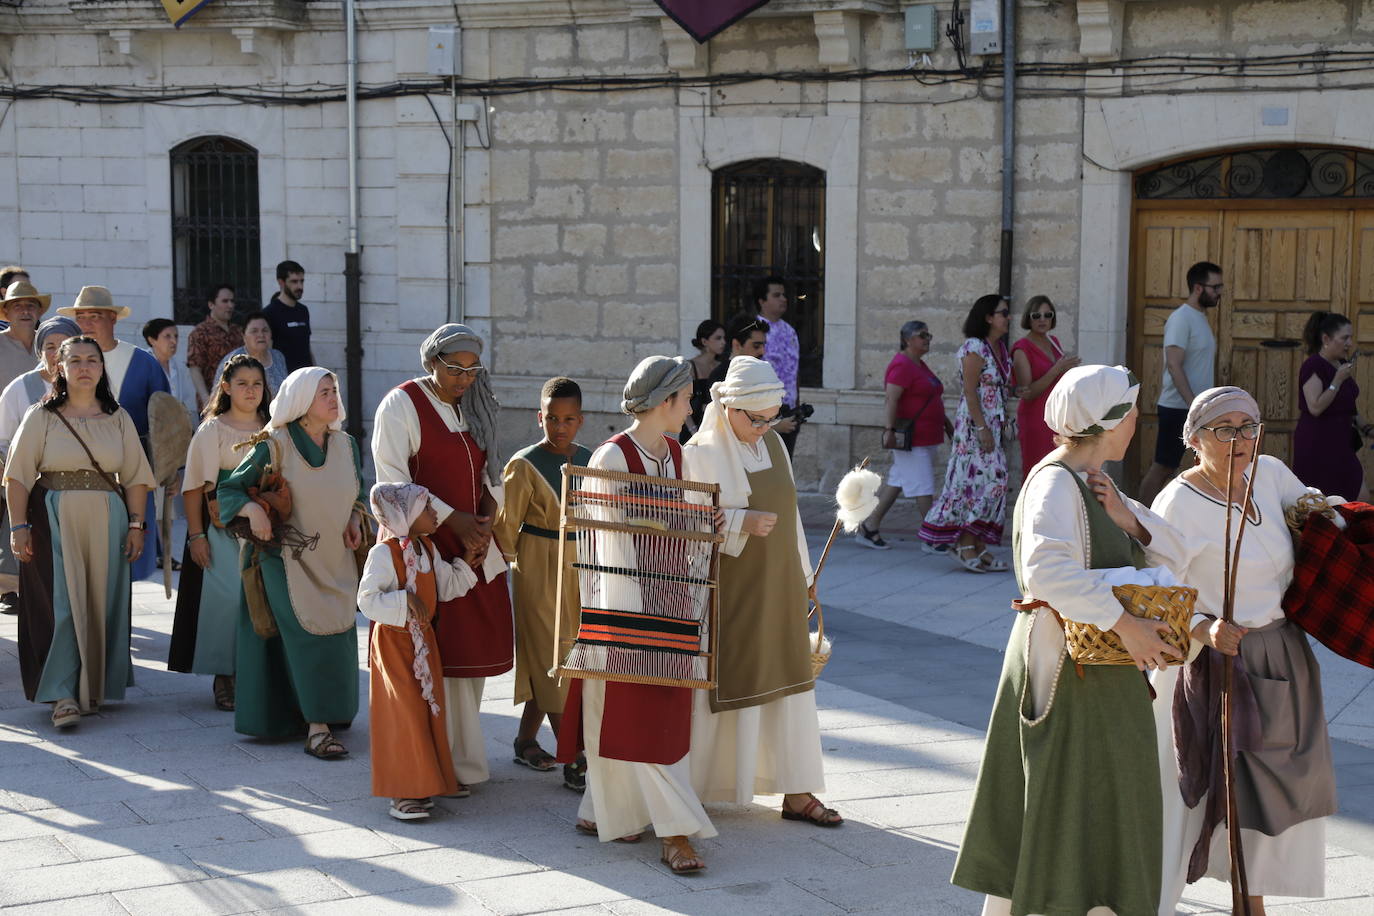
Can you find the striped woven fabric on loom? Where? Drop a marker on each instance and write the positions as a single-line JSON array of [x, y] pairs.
[[646, 560]]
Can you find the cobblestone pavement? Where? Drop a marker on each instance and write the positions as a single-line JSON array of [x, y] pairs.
[[156, 806]]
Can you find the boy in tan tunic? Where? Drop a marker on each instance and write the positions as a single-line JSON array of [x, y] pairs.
[[527, 530]]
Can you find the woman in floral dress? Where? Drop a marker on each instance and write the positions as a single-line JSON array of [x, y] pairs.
[[973, 504]]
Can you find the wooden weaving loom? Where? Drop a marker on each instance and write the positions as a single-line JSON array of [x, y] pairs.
[[647, 556]]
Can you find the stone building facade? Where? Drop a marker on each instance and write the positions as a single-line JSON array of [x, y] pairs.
[[587, 226]]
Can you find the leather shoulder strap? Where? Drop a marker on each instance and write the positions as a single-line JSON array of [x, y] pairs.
[[87, 449]]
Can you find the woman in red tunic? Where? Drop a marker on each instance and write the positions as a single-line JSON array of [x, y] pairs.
[[1037, 362], [440, 431]]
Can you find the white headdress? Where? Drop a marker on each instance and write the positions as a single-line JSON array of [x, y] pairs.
[[750, 384], [1090, 400], [296, 394]]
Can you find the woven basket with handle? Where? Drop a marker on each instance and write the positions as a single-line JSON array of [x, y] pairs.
[[1173, 604], [820, 653]]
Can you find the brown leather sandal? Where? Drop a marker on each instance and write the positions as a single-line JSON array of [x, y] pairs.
[[815, 812], [324, 746], [680, 857]]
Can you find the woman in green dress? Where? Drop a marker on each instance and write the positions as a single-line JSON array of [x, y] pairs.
[[210, 594], [1066, 816], [305, 676]]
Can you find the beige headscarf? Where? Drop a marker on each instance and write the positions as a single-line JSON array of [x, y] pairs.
[[296, 395], [714, 452], [1090, 400], [1217, 402]]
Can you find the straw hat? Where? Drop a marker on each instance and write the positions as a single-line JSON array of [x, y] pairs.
[[95, 297], [23, 289]]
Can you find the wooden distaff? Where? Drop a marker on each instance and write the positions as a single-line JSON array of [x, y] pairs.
[[1240, 886]]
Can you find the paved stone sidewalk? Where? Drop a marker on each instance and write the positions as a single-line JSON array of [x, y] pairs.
[[156, 806]]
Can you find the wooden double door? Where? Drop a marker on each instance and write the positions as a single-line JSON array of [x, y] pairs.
[[1281, 260]]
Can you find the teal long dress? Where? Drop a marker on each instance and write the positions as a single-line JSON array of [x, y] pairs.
[[1067, 814], [294, 677]]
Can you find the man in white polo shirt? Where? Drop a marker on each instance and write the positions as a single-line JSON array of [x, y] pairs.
[[1190, 355]]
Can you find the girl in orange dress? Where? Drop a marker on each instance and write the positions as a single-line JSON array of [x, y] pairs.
[[402, 582]]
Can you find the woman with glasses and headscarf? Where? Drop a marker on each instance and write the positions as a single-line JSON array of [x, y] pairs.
[[756, 731], [1285, 784], [439, 430], [308, 671]]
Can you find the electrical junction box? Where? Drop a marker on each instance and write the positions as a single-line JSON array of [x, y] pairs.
[[985, 27], [445, 50], [920, 28]]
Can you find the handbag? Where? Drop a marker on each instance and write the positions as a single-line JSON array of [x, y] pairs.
[[902, 433], [114, 484], [255, 595]]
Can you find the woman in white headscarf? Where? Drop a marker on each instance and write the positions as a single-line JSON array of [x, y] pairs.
[[757, 733], [308, 670], [1066, 815], [439, 430], [1285, 784]]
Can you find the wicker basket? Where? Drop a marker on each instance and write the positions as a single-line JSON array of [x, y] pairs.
[[820, 647], [1088, 645]]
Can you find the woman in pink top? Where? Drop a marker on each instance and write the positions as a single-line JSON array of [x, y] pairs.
[[915, 397], [1037, 362]]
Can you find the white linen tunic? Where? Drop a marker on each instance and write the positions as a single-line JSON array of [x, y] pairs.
[[1291, 864]]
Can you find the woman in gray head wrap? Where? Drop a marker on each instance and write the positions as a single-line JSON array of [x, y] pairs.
[[440, 431], [1284, 780], [29, 388]]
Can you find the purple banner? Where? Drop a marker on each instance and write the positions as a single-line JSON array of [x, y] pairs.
[[703, 18]]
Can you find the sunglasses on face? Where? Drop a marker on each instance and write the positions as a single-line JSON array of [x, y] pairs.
[[762, 422], [459, 370], [1003, 312], [924, 335], [1036, 316], [1230, 433]]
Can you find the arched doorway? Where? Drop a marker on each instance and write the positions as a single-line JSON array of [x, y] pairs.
[[216, 237], [768, 217], [1292, 227]]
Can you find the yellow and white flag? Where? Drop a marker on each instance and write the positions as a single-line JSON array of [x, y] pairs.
[[181, 10]]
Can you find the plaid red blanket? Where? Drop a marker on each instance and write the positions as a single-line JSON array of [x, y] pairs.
[[1332, 593]]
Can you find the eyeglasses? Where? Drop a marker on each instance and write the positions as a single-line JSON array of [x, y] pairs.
[[1229, 433], [1216, 286], [1036, 316], [459, 370], [1003, 312], [762, 422], [924, 335]]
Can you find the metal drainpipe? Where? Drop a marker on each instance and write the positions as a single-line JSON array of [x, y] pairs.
[[1008, 140], [353, 344]]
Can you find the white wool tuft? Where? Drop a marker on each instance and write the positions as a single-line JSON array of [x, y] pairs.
[[857, 497], [824, 647]]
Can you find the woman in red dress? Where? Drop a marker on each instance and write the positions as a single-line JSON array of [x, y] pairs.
[[440, 431], [1037, 362]]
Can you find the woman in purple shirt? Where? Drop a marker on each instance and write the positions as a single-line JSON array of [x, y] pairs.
[[1330, 432]]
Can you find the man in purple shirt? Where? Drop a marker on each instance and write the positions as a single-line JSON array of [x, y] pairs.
[[783, 351]]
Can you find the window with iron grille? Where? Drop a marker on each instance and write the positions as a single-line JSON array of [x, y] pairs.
[[215, 233], [768, 217]]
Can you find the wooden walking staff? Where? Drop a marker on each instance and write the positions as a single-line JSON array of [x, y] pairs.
[[1240, 886]]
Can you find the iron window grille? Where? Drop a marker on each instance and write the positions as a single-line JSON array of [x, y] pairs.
[[768, 217], [1278, 173], [215, 230]]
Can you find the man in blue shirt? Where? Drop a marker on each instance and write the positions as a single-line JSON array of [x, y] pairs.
[[289, 318]]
